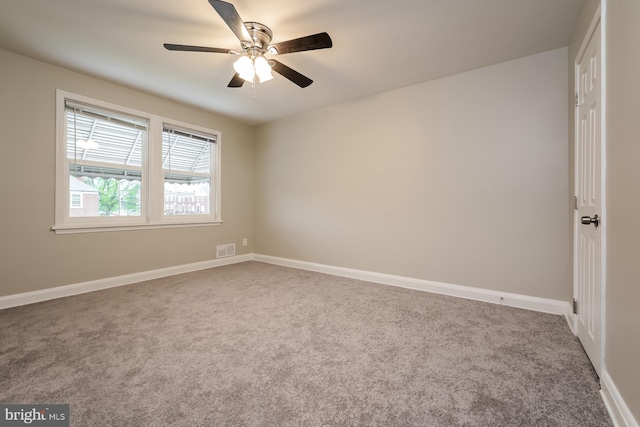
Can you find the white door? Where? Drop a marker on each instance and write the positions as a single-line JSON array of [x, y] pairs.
[[588, 191]]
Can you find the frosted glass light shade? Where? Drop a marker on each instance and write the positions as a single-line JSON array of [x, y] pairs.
[[244, 67], [263, 70]]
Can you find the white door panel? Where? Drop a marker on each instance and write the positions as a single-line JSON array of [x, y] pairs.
[[588, 186]]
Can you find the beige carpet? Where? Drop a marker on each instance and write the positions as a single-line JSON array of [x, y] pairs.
[[253, 344]]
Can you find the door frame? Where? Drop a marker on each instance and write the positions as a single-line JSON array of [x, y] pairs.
[[598, 18]]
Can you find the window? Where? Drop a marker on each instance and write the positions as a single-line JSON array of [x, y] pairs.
[[117, 168], [186, 164], [104, 153], [76, 200]]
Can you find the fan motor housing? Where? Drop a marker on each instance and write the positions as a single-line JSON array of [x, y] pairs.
[[261, 35]]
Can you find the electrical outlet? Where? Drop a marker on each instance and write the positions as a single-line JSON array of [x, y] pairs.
[[244, 242]]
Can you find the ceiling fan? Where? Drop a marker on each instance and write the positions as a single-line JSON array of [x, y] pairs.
[[255, 39]]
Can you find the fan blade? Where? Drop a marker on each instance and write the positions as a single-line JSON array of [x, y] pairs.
[[229, 14], [290, 73], [313, 42], [186, 48], [236, 81]]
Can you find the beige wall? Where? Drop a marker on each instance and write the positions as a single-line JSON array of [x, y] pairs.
[[461, 180], [622, 354], [33, 257]]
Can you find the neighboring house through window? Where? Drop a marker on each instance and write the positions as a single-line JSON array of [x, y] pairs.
[[85, 199]]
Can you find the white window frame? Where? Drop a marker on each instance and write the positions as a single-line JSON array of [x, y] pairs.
[[152, 189]]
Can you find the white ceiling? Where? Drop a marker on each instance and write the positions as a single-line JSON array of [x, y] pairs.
[[377, 45]]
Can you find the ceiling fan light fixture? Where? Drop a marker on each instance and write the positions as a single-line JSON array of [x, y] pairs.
[[255, 41], [245, 69], [263, 69]]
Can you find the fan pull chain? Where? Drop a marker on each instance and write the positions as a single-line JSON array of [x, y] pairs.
[[253, 87]]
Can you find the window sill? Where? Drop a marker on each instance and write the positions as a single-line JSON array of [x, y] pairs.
[[74, 229]]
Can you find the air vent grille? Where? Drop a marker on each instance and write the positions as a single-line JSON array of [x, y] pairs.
[[226, 250]]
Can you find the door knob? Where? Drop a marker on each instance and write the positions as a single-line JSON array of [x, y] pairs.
[[587, 220]]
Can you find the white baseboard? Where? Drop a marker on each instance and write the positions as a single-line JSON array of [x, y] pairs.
[[478, 294], [111, 282], [618, 409]]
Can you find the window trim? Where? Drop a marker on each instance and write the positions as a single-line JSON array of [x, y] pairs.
[[152, 186]]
